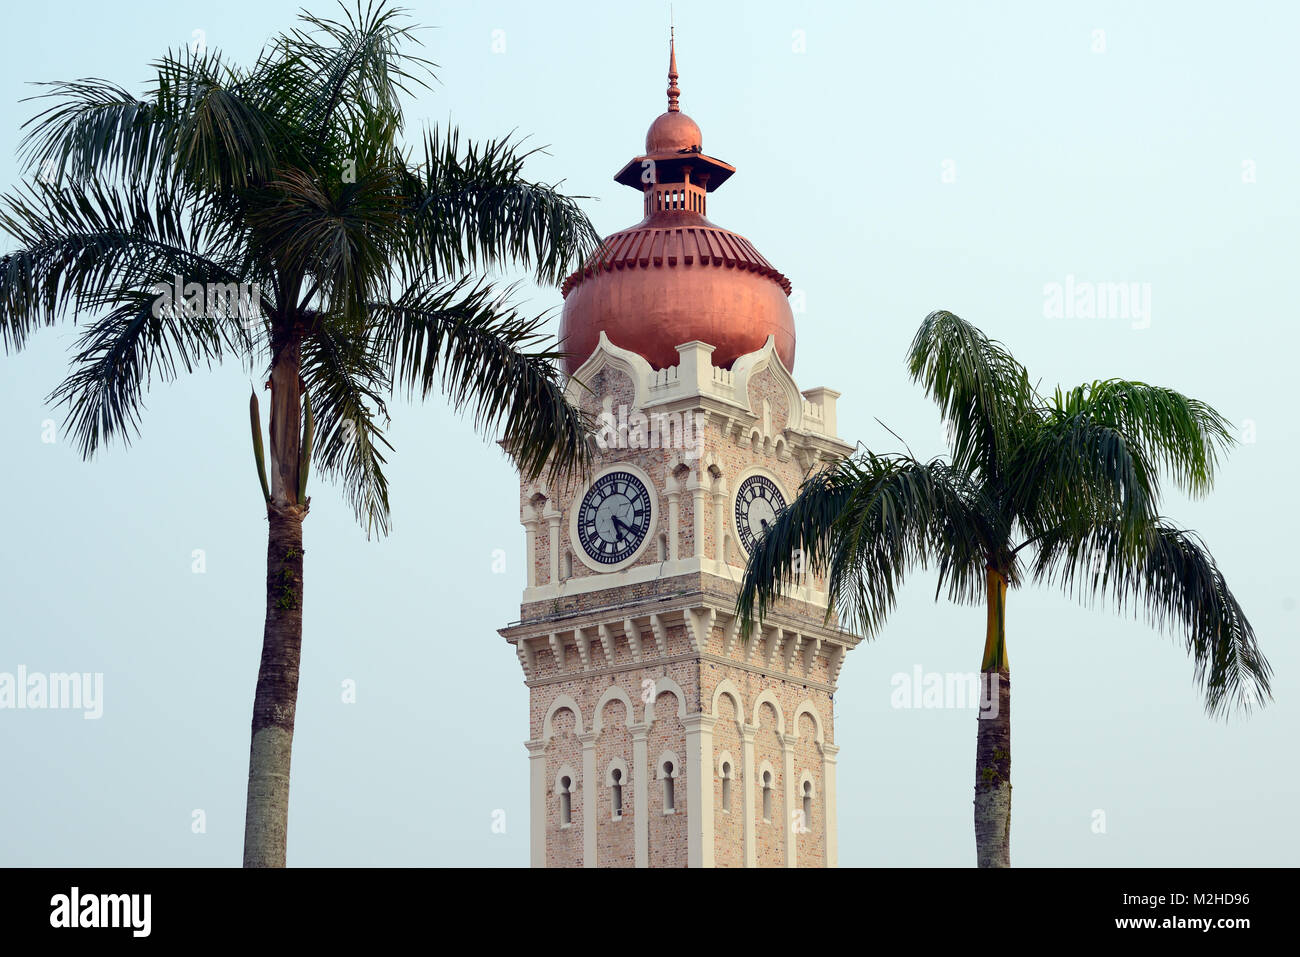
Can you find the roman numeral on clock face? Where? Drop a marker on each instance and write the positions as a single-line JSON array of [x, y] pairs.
[[615, 513], [758, 500]]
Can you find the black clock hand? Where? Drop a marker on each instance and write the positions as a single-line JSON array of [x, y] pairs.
[[617, 523]]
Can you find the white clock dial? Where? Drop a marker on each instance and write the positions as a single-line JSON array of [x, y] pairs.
[[757, 501], [613, 517]]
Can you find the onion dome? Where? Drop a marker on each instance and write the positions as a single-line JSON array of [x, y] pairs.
[[675, 277]]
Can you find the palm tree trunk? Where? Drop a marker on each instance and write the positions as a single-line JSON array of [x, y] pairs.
[[266, 821], [993, 737]]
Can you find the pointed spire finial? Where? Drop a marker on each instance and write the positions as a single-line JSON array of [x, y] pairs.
[[673, 91]]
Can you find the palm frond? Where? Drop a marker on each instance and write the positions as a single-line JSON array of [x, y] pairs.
[[120, 355], [358, 66], [473, 210], [337, 235], [79, 240], [346, 379], [94, 129], [1072, 469], [865, 522], [979, 387], [1177, 583], [1182, 435], [487, 359], [221, 139]]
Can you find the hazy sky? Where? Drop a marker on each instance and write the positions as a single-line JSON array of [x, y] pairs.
[[892, 159]]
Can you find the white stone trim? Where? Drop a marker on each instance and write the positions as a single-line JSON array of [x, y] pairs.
[[663, 759], [613, 693], [566, 771], [537, 803], [559, 703], [608, 355], [726, 758], [749, 790], [751, 364], [806, 706], [768, 696], [787, 754], [641, 795], [664, 683], [829, 752], [806, 777], [590, 799], [617, 764], [728, 687], [700, 837], [657, 570], [552, 516]]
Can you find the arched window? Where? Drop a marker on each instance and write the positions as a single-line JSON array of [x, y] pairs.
[[767, 796], [667, 769], [807, 804], [568, 564], [726, 787], [566, 801], [616, 779], [663, 548]]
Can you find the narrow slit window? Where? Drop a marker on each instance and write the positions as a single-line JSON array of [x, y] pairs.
[[669, 804], [726, 786], [566, 801], [616, 797], [767, 795], [807, 804]]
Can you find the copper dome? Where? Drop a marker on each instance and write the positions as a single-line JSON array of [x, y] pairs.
[[673, 132], [675, 277]]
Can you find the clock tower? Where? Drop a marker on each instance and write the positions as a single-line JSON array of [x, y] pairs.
[[658, 737]]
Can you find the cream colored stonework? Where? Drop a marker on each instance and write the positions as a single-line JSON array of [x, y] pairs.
[[643, 668]]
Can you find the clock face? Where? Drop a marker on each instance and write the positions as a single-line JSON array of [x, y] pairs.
[[757, 502], [613, 518]]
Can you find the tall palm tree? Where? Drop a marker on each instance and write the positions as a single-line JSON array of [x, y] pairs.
[[1059, 490], [369, 256]]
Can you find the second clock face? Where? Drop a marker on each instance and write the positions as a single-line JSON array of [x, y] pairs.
[[613, 517], [757, 502]]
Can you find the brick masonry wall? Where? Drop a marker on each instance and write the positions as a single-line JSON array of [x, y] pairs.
[[564, 846], [730, 452], [615, 840], [699, 681], [728, 823], [668, 838]]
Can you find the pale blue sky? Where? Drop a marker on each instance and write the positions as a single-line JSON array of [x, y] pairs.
[[1123, 165]]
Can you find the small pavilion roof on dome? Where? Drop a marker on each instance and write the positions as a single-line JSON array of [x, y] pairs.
[[674, 144], [676, 277]]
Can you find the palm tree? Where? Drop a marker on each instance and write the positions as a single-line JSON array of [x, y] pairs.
[[369, 258], [1060, 490]]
